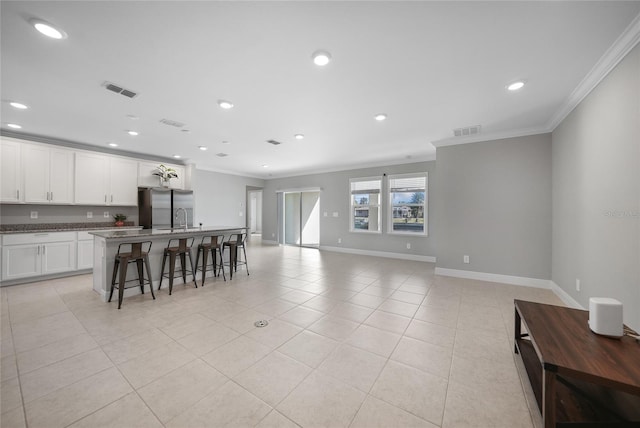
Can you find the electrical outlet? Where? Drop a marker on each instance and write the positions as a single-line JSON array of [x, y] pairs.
[[326, 214], [89, 214], [105, 214], [240, 213], [577, 284], [335, 213], [465, 259], [339, 240], [408, 245], [34, 214]]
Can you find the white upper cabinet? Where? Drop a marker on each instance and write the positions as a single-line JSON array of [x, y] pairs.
[[123, 182], [105, 180], [10, 172], [91, 179], [48, 174], [147, 179]]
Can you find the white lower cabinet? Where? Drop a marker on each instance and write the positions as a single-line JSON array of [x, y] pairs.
[[33, 254], [85, 250]]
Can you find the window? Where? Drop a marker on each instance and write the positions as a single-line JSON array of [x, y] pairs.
[[408, 203], [365, 204]]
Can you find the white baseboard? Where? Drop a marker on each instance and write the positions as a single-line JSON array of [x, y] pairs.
[[386, 254], [565, 297], [267, 242], [493, 277]]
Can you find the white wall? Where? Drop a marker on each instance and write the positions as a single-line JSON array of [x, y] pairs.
[[596, 193]]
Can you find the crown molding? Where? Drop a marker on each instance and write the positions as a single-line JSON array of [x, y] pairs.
[[34, 138], [616, 52], [454, 141]]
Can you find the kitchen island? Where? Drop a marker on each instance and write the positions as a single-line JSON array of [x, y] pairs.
[[106, 246]]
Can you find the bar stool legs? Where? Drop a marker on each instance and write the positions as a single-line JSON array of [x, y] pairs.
[[122, 260], [214, 245], [183, 249]]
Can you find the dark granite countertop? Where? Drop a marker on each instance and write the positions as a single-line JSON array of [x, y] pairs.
[[63, 227], [148, 233]]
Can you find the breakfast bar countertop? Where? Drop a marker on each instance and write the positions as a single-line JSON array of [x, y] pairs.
[[146, 233]]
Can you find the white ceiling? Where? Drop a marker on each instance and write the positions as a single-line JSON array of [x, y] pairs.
[[430, 66]]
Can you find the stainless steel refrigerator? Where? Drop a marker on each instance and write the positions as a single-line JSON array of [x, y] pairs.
[[157, 207]]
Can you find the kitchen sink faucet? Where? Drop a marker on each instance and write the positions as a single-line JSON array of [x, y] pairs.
[[185, 217]]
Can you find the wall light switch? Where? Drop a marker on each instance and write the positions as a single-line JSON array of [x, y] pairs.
[[326, 214], [240, 213], [34, 214], [577, 284], [105, 214], [335, 213], [408, 245], [339, 240], [89, 214], [465, 259]]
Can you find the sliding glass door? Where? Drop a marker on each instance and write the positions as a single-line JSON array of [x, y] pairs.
[[302, 219]]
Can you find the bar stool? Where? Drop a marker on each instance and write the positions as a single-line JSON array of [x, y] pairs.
[[136, 254], [233, 245], [215, 246], [182, 249]]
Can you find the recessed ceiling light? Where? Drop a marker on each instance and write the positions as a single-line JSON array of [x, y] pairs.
[[177, 156], [380, 117], [299, 136], [133, 133], [132, 117], [321, 58], [113, 144], [47, 29], [515, 85], [14, 125], [18, 105], [203, 148], [225, 104], [226, 142], [265, 166]]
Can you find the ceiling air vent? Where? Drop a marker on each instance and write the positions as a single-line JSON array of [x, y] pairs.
[[120, 90], [465, 132], [172, 123], [221, 155], [274, 142]]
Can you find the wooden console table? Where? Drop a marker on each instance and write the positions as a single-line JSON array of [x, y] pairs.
[[578, 377]]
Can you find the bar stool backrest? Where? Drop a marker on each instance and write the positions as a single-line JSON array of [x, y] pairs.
[[214, 240], [137, 249], [183, 243]]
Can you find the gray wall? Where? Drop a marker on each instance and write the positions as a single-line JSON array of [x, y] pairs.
[[596, 193], [21, 214], [334, 197], [221, 198], [494, 204]]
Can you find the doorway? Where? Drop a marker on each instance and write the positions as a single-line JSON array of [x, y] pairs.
[[254, 211], [302, 218]]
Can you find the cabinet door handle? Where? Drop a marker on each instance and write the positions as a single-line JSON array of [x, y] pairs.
[[48, 196], [111, 198], [18, 194], [52, 196], [44, 249], [38, 250], [105, 198]]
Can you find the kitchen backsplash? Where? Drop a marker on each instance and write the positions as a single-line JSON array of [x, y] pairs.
[[21, 214]]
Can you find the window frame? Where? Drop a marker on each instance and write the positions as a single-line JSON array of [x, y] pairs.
[[425, 204], [353, 206]]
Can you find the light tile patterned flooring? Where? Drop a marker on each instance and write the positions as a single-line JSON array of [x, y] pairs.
[[352, 341]]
